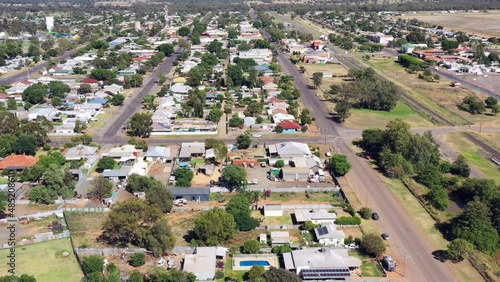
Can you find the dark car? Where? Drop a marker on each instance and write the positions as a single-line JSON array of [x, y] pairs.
[[385, 236], [375, 216]]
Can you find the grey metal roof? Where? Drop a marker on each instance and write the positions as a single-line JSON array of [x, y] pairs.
[[190, 190]]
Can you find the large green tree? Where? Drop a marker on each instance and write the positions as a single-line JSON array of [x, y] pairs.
[[141, 125], [339, 164], [214, 226], [35, 93], [58, 89], [219, 146], [234, 177], [101, 188], [373, 244]]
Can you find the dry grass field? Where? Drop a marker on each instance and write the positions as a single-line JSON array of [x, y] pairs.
[[485, 24]]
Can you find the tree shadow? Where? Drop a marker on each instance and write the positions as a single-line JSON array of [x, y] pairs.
[[440, 255], [190, 236]]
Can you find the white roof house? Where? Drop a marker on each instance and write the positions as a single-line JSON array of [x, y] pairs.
[[189, 149], [48, 112], [203, 262], [328, 235], [316, 216], [277, 118], [158, 153], [180, 88], [124, 153], [289, 149], [80, 152], [331, 263], [113, 88]]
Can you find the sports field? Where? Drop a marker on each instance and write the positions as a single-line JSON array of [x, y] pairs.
[[485, 24], [51, 261]]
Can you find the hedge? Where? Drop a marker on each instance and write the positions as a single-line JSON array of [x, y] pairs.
[[348, 220]]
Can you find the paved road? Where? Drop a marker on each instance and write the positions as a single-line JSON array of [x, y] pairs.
[[111, 131], [41, 66], [406, 238]]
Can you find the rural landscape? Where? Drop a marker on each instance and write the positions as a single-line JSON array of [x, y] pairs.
[[230, 140]]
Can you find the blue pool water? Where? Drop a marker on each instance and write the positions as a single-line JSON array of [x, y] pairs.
[[254, 262]]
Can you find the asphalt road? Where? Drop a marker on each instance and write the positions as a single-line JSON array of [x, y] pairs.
[[41, 66], [407, 240], [110, 132]]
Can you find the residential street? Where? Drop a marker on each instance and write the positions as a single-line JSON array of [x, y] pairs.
[[406, 237]]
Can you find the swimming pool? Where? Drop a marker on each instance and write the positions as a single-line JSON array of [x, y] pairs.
[[254, 262]]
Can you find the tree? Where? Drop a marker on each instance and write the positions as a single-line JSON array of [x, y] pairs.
[[256, 272], [279, 163], [373, 244], [35, 93], [439, 198], [8, 123], [56, 102], [42, 196], [215, 114], [160, 274], [11, 104], [183, 177], [167, 49], [460, 167], [135, 276], [141, 125], [243, 141], [160, 196], [160, 239], [25, 144], [219, 147], [34, 51], [317, 78], [234, 177], [430, 176], [93, 263], [214, 226], [490, 102], [459, 249], [251, 246], [105, 163], [280, 275], [472, 105], [117, 100], [342, 109], [101, 188], [130, 222], [484, 190], [280, 250], [80, 126], [236, 121], [184, 31], [305, 117], [13, 278], [474, 225], [84, 88], [137, 259], [365, 212], [339, 164], [102, 74], [58, 89]]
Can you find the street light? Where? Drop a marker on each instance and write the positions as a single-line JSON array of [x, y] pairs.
[[407, 257]]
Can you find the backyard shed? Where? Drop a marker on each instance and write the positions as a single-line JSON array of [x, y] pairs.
[[273, 210]]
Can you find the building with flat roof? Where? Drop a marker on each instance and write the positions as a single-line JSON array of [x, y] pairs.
[[202, 263], [199, 194], [279, 238], [315, 216]]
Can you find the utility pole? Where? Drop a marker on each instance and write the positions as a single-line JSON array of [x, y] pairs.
[[407, 257], [481, 124], [325, 136]]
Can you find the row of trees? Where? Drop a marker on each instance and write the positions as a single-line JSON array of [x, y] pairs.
[[475, 106]]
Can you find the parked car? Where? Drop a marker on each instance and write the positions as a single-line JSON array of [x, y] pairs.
[[161, 262], [385, 236], [255, 135], [263, 164], [389, 263], [375, 216]]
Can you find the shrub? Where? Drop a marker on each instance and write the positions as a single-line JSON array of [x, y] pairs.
[[137, 259], [344, 220], [219, 274], [94, 263], [365, 212]]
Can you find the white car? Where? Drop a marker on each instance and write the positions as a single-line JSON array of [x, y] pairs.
[[161, 262], [255, 135]]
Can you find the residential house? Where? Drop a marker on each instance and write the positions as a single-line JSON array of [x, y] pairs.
[[158, 153], [19, 189], [113, 89], [198, 194], [289, 150], [321, 263], [48, 112], [18, 162], [316, 57], [317, 45], [79, 152], [126, 154], [202, 263], [189, 150], [277, 118], [117, 175], [67, 128], [295, 173], [328, 235], [180, 90], [279, 238], [259, 55], [289, 126], [319, 216]]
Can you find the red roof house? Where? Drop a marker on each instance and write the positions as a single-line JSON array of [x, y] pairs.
[[289, 125], [18, 162], [89, 80]]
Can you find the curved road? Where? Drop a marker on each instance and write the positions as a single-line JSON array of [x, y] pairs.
[[407, 239]]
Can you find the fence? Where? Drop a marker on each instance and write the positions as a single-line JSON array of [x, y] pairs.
[[278, 227], [58, 213], [280, 189], [183, 249], [38, 238], [107, 251]]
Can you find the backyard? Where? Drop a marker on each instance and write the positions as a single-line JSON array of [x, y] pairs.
[[85, 227], [52, 261]]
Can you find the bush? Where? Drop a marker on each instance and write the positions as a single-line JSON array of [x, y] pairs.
[[309, 225], [219, 274], [365, 212], [279, 163], [344, 220], [137, 259], [251, 246], [373, 244], [94, 263], [350, 210], [340, 165]]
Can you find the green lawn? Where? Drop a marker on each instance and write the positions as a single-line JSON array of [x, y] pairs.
[[363, 118], [371, 269], [45, 262], [197, 162], [485, 166], [235, 274], [4, 180], [85, 227]]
